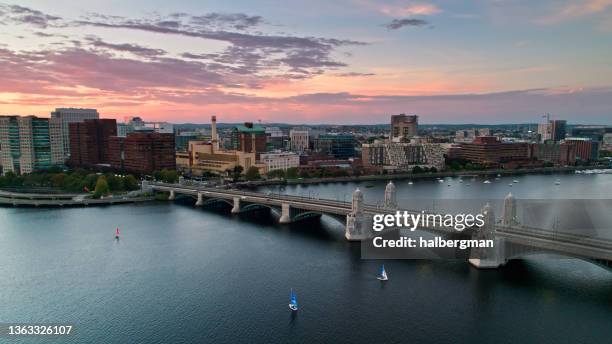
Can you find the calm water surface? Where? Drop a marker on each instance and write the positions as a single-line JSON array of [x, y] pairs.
[[185, 275]]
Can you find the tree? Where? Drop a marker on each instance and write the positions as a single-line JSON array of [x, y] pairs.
[[237, 172], [130, 183], [101, 187], [417, 169], [58, 180], [292, 173], [276, 174], [168, 176], [89, 181], [252, 173], [304, 174], [114, 183], [340, 173]]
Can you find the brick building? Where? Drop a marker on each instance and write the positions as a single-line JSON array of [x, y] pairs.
[[488, 150], [558, 154], [142, 152], [89, 142], [587, 150]]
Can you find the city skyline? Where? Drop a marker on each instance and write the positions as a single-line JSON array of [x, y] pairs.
[[351, 62]]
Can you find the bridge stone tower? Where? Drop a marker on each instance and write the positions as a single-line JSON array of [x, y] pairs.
[[509, 212], [145, 188], [390, 196], [200, 200], [172, 195], [355, 221], [488, 257]]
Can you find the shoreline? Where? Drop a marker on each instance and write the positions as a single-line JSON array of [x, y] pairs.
[[403, 176], [15, 199]]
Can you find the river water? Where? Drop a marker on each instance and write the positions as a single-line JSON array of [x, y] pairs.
[[185, 275]]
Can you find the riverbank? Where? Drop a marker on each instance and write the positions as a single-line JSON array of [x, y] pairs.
[[400, 176], [16, 199]]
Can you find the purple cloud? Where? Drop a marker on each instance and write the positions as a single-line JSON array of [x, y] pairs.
[[24, 15], [126, 47], [400, 23]]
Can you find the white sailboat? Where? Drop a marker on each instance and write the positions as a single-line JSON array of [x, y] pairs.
[[383, 274], [293, 305]]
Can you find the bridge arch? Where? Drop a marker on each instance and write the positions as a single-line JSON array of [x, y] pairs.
[[212, 201], [605, 264]]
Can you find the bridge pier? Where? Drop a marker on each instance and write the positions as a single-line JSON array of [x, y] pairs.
[[509, 218], [488, 257], [145, 187], [200, 201], [236, 207], [172, 196], [285, 214], [356, 226], [390, 196]]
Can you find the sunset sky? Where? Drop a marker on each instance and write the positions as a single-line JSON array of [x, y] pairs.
[[340, 61]]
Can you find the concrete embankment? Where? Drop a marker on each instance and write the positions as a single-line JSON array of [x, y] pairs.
[[62, 200]]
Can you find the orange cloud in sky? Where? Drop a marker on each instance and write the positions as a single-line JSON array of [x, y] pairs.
[[416, 9]]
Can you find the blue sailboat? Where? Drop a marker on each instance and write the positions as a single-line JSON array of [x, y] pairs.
[[383, 274], [293, 305]]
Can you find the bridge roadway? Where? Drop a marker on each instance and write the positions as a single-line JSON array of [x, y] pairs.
[[539, 240], [276, 200], [315, 205]]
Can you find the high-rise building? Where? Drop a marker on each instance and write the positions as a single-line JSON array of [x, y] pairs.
[[142, 152], [181, 140], [586, 149], [557, 130], [89, 142], [9, 144], [403, 127], [59, 126], [276, 138], [340, 146], [249, 138], [593, 132], [394, 156], [299, 138], [544, 132], [122, 129], [24, 144]]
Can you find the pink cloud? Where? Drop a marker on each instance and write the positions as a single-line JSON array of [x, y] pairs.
[[575, 9], [410, 10]]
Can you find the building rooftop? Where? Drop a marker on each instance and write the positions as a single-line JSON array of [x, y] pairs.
[[250, 129]]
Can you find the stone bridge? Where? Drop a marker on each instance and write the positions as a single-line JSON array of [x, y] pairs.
[[511, 240]]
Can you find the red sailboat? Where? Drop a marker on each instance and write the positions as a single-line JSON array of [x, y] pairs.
[[117, 233]]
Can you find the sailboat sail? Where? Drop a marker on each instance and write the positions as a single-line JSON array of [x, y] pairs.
[[383, 273], [293, 305], [117, 233]]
